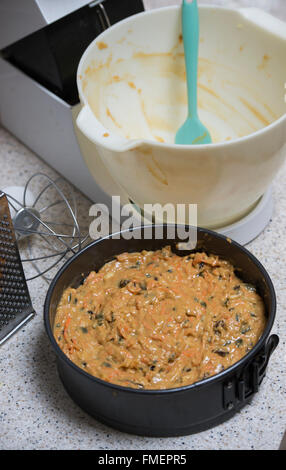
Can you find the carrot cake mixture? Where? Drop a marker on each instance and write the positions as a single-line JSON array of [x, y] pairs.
[[155, 320]]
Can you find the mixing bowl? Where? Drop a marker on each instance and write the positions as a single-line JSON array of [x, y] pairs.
[[176, 411], [131, 82]]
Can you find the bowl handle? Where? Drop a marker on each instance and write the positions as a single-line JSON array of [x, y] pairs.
[[265, 21], [90, 126]]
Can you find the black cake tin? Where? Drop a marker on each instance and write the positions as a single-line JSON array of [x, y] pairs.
[[177, 411]]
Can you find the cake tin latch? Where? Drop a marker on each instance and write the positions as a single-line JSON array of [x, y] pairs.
[[237, 391], [269, 348], [258, 368]]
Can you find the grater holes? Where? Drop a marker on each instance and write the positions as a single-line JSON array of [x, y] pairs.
[[11, 274], [10, 261], [15, 302], [6, 251], [7, 316], [9, 297], [4, 221], [13, 284], [4, 236], [5, 319]]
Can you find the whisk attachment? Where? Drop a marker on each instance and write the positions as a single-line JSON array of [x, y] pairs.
[[25, 221], [46, 225]]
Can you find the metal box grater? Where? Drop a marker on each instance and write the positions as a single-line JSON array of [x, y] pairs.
[[15, 303]]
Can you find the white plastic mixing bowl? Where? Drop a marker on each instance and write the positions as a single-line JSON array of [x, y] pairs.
[[131, 82]]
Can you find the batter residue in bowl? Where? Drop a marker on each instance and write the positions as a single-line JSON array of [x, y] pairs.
[[156, 320], [145, 97]]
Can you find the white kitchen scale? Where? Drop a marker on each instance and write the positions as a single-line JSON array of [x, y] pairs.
[[38, 95]]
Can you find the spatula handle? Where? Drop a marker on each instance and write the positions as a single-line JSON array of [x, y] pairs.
[[190, 29]]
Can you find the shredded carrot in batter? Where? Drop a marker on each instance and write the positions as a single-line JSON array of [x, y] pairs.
[[156, 320]]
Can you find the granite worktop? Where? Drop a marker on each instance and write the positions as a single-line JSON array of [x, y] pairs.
[[35, 410]]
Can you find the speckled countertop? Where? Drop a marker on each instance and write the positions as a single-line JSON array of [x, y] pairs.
[[37, 413]]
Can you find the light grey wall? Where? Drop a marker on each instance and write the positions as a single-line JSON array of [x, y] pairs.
[[275, 7]]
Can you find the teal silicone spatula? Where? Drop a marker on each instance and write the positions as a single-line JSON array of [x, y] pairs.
[[192, 132]]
